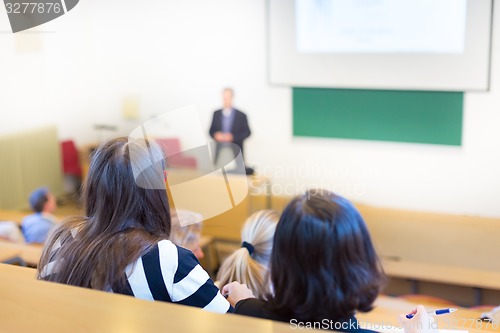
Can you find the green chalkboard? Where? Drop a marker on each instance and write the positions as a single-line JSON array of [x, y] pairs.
[[430, 117]]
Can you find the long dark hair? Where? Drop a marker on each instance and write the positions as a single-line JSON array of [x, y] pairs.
[[126, 212], [323, 264]]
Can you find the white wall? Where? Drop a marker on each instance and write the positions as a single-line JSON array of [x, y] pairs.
[[180, 52]]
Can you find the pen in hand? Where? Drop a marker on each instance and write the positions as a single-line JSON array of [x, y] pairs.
[[434, 313]]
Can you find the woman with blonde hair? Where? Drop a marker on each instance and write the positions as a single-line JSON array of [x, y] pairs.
[[249, 265]]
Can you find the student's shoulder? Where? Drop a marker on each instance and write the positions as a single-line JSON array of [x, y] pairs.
[[45, 221], [163, 254], [166, 247], [178, 260], [30, 219]]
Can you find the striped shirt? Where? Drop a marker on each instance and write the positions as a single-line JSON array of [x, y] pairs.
[[169, 273]]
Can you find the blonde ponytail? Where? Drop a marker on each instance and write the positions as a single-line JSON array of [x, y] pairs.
[[250, 264]]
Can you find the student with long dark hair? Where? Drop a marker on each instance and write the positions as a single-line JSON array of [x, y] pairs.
[[324, 267], [121, 244]]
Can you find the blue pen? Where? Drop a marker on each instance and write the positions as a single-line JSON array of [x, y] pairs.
[[435, 313]]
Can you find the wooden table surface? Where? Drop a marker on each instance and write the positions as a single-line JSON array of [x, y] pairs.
[[29, 305], [18, 216], [13, 215], [7, 253], [30, 253], [387, 309], [453, 275], [57, 308]]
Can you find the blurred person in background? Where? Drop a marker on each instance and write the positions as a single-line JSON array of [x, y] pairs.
[[36, 227]]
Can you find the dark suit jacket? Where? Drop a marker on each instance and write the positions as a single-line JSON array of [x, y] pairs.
[[239, 128]]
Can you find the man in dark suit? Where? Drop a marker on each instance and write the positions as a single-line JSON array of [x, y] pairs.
[[229, 126]]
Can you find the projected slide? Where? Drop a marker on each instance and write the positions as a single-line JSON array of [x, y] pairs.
[[380, 26]]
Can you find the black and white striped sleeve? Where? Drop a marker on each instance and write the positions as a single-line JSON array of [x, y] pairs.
[[173, 274], [192, 285]]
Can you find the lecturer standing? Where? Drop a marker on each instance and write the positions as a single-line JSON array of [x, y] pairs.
[[229, 126]]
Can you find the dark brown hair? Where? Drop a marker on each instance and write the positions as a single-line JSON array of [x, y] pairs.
[[323, 264], [126, 213]]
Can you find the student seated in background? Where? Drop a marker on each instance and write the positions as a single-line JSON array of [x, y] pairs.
[[36, 227], [188, 235], [122, 243], [250, 264], [323, 267]]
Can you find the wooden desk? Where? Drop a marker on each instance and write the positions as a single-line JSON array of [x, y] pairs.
[[23, 272], [30, 253], [13, 215], [18, 216], [442, 239], [464, 246], [387, 309], [8, 253], [28, 305], [415, 271], [461, 276]]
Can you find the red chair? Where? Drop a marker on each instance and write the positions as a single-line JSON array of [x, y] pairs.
[[172, 149], [71, 161]]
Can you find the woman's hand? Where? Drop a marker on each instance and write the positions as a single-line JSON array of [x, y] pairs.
[[235, 292], [420, 323]]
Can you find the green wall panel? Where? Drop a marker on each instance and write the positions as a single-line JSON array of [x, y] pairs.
[[384, 115]]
